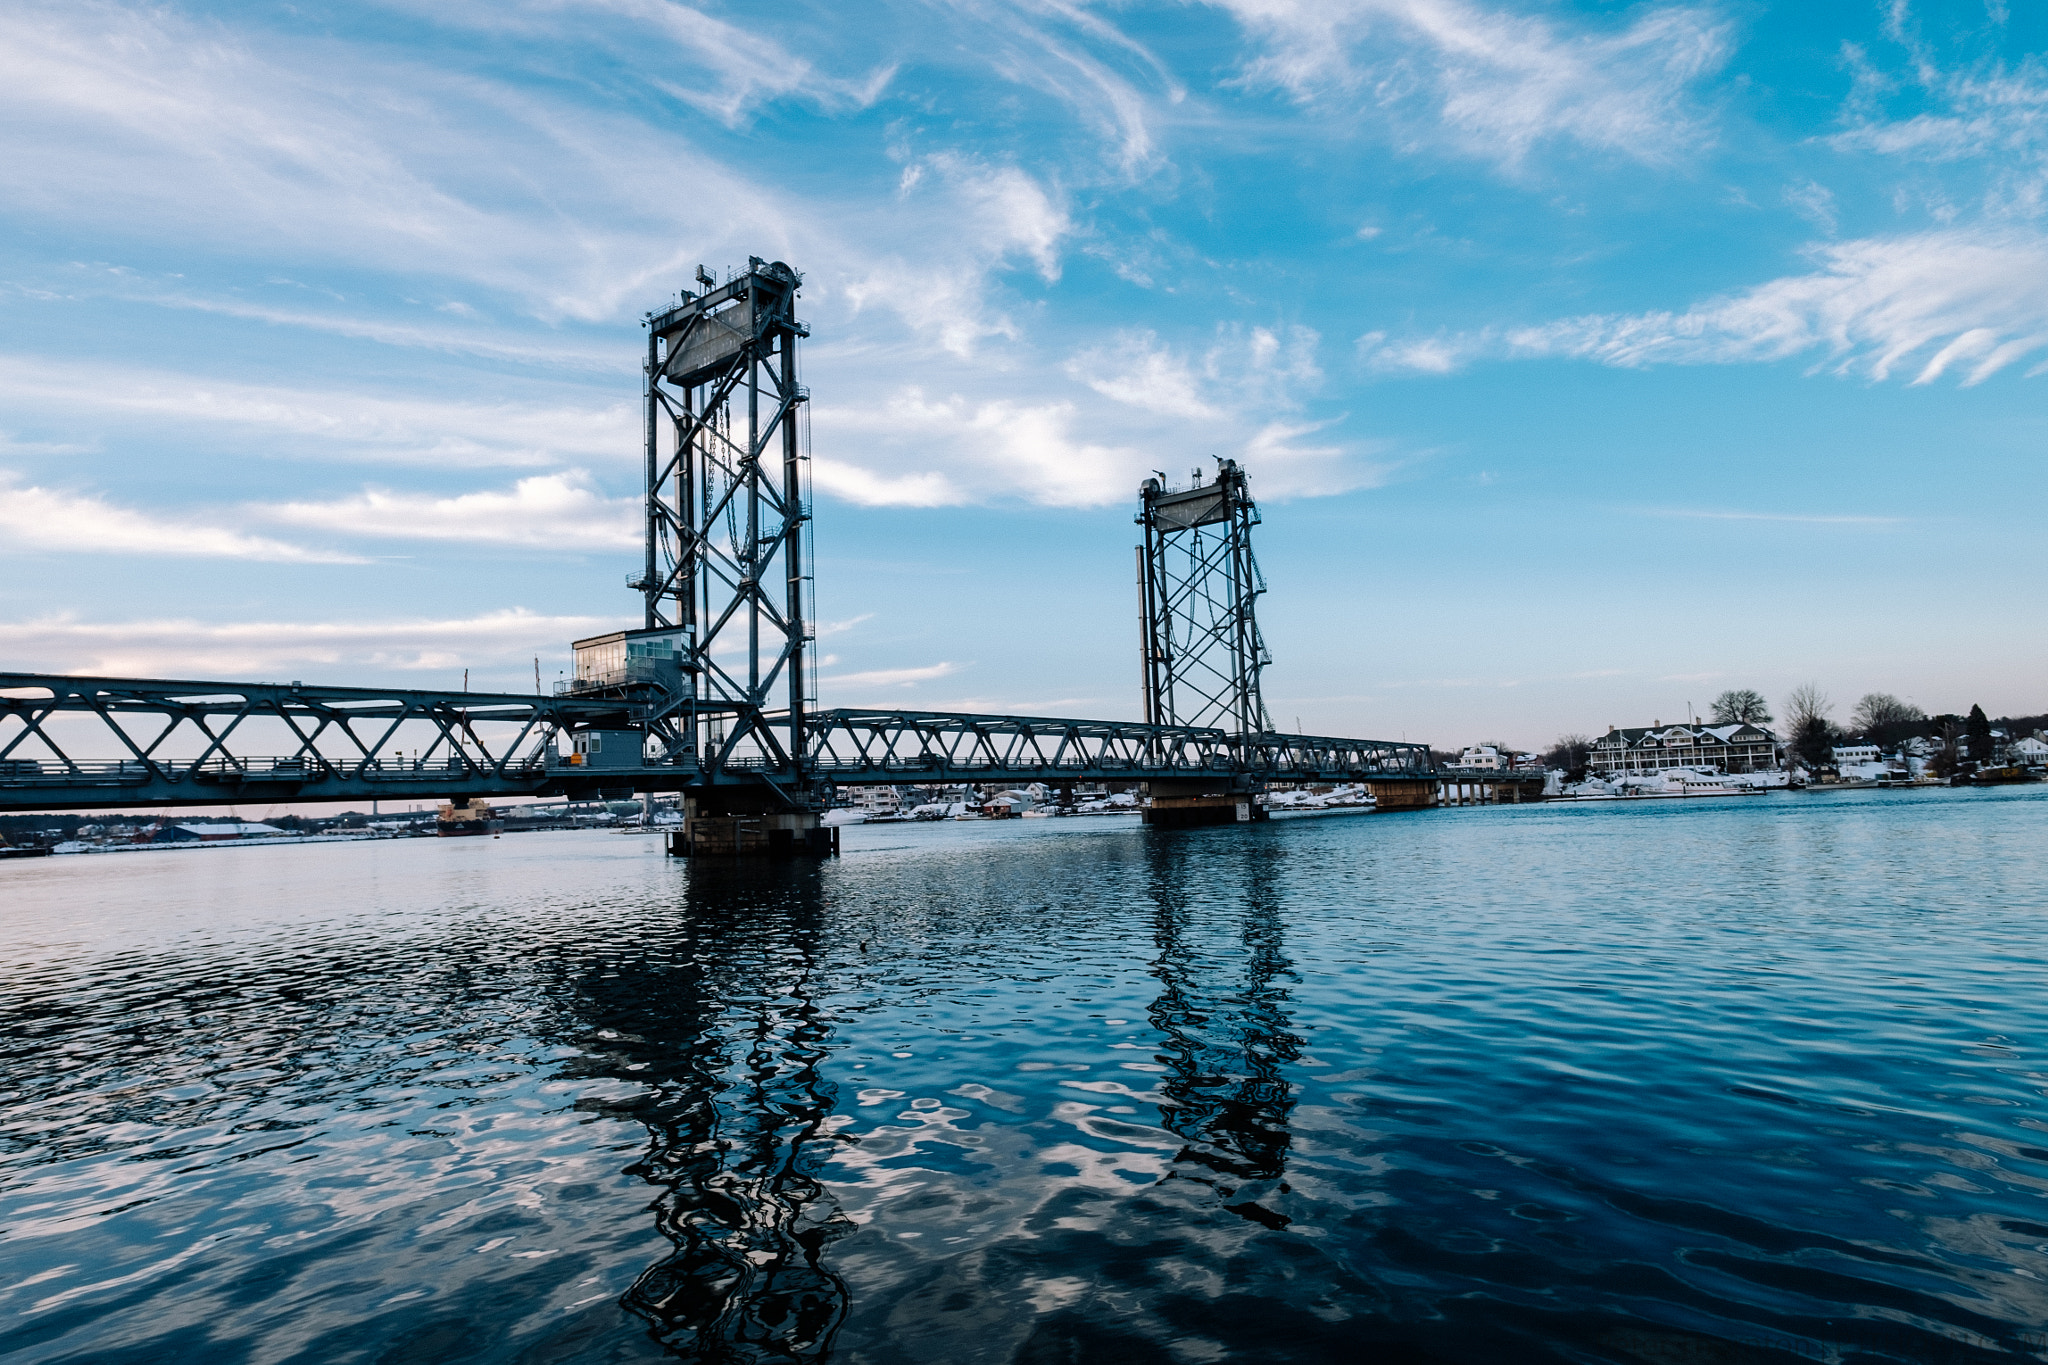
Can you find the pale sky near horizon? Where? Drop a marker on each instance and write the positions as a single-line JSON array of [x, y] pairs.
[[1587, 359]]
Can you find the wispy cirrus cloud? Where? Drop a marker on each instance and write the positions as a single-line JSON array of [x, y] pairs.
[[563, 511], [430, 431], [877, 678], [35, 518], [486, 341], [1070, 52], [982, 218], [1970, 300], [974, 450], [1496, 83], [1242, 368], [173, 647], [867, 488], [748, 68], [343, 156], [1243, 395], [1980, 109]]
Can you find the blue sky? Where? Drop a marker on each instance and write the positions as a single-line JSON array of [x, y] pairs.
[[1586, 359]]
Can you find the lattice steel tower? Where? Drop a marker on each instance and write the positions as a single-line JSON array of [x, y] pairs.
[[726, 578], [1199, 585]]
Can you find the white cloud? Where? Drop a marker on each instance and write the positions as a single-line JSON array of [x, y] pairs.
[[1109, 103], [980, 219], [1284, 466], [1977, 299], [1242, 369], [1813, 201], [1139, 403], [33, 518], [1136, 370], [416, 430], [179, 647], [1500, 82], [748, 67], [122, 114], [1423, 355], [548, 511], [867, 488], [327, 154], [1985, 122], [491, 342], [984, 449], [890, 677]]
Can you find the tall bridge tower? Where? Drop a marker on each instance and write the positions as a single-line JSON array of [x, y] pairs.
[[1199, 587], [726, 579]]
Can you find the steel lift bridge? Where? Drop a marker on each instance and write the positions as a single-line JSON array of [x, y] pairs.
[[713, 696]]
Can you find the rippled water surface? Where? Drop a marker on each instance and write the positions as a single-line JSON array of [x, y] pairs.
[[1682, 1082]]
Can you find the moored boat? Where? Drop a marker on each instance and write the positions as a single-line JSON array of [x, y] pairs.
[[466, 816]]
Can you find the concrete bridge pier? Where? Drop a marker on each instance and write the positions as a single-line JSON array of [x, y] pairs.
[[1189, 804], [739, 825], [1485, 789], [1413, 793]]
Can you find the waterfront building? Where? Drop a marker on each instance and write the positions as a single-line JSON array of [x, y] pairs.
[[1729, 748], [874, 800], [2031, 752], [1482, 756]]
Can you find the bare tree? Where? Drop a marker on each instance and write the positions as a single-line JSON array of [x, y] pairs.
[[1812, 735], [1569, 753], [1741, 706], [1806, 704], [1880, 710]]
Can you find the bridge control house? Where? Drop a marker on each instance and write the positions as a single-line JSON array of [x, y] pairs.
[[1730, 748]]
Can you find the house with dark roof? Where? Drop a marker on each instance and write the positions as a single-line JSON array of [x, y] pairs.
[[1725, 748]]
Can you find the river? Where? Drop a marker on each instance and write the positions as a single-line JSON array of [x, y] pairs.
[[1670, 1082]]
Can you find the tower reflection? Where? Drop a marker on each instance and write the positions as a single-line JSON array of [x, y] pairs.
[[1226, 1031], [724, 1028]]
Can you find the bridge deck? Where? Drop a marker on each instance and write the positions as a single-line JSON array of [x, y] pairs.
[[167, 742]]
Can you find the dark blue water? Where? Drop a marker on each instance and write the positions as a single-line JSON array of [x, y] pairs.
[[1756, 1080]]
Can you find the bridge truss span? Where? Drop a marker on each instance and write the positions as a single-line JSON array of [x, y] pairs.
[[70, 742], [884, 748]]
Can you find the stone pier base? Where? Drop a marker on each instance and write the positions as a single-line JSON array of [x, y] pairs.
[[1180, 805], [716, 832], [1403, 794]]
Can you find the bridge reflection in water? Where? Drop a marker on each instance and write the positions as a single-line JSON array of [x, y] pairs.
[[1224, 1091], [728, 1035], [728, 1026]]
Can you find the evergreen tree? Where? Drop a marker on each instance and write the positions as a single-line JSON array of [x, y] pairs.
[[1978, 728], [1813, 742]]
